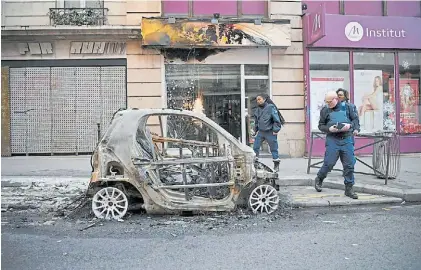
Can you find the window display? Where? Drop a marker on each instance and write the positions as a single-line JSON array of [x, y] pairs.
[[328, 72], [374, 91], [214, 90], [409, 92]]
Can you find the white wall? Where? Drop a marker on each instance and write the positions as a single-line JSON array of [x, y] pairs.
[[28, 13]]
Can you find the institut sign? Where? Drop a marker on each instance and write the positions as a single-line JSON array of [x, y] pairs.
[[369, 32], [354, 31]]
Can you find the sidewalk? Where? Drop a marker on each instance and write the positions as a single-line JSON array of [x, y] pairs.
[[407, 186], [72, 173]]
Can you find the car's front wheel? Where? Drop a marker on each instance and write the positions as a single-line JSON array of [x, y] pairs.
[[264, 199], [110, 203]]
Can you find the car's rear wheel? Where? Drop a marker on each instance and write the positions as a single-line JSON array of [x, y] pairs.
[[110, 203], [264, 199]]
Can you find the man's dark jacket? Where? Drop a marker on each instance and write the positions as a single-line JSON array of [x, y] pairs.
[[351, 111]]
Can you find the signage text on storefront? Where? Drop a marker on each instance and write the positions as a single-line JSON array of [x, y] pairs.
[[375, 32]]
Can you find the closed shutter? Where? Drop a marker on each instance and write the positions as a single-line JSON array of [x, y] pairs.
[[56, 109]]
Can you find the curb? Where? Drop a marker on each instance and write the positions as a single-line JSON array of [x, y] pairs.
[[409, 195], [327, 203], [284, 181]]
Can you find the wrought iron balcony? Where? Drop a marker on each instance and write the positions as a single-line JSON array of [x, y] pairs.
[[78, 16]]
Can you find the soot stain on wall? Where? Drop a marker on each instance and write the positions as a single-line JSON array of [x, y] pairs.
[[199, 54]]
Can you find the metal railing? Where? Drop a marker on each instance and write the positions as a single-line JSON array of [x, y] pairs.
[[78, 16]]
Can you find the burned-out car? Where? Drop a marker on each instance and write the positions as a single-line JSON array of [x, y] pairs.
[[174, 161]]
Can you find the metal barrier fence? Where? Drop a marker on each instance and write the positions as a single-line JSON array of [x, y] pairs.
[[386, 154]]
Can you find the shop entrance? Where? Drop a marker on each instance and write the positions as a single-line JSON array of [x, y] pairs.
[[224, 93]]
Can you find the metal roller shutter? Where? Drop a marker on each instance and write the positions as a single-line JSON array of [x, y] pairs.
[[18, 116], [56, 109]]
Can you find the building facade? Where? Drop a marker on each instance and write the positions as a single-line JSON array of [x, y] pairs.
[[372, 49], [216, 56], [209, 56]]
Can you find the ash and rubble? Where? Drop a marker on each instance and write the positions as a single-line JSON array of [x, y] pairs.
[[78, 218], [44, 196], [40, 204]]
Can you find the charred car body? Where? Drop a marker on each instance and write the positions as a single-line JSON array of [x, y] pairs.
[[170, 161]]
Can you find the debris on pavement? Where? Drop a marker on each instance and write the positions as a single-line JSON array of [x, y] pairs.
[[89, 226], [329, 221]]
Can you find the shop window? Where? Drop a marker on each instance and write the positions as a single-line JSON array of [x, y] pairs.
[[371, 8], [374, 90], [328, 72], [404, 8], [214, 90], [226, 8], [409, 92]]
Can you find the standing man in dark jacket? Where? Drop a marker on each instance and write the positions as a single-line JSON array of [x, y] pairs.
[[339, 121], [267, 126]]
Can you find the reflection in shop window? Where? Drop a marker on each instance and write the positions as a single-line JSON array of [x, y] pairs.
[[256, 70], [374, 91], [328, 72], [409, 92], [214, 90]]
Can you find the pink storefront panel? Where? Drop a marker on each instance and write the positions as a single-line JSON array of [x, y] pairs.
[[372, 8], [175, 7], [223, 7], [404, 8], [332, 7], [254, 7]]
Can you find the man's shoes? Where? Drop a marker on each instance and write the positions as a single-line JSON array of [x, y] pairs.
[[318, 184], [276, 164], [349, 191]]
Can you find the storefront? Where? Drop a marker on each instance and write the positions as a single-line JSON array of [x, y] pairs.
[[217, 69], [378, 59], [58, 95]]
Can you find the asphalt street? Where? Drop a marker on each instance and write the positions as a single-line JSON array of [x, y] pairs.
[[375, 237]]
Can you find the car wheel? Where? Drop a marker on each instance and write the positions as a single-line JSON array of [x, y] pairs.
[[110, 203], [264, 199]]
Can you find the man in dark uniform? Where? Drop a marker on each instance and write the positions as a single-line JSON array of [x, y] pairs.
[[339, 121]]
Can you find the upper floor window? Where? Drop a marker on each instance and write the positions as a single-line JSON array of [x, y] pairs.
[[226, 8], [404, 8], [372, 8], [78, 12], [83, 3]]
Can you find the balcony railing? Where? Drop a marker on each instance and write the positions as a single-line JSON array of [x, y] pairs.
[[78, 16]]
